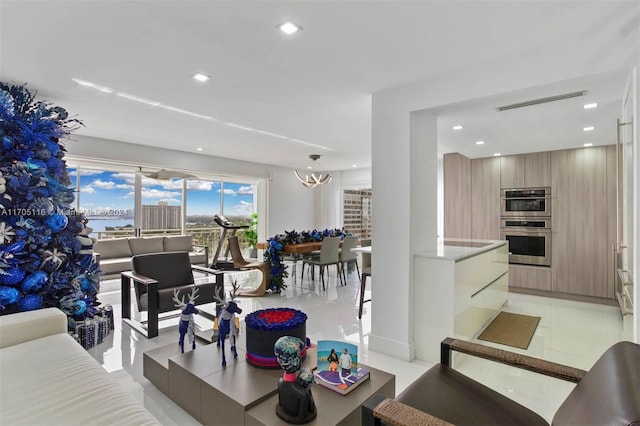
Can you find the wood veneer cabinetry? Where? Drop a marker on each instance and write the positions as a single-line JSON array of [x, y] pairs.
[[530, 277], [457, 196], [525, 170], [512, 171], [579, 217], [537, 169], [485, 198]]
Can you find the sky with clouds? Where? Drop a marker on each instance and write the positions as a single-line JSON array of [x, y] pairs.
[[115, 191]]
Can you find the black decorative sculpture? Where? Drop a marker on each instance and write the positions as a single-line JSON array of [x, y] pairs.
[[295, 401]]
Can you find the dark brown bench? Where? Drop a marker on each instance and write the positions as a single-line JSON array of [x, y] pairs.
[[608, 394]]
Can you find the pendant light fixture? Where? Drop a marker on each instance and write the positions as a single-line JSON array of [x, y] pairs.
[[313, 174]]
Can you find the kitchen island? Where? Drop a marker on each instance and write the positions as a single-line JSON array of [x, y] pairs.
[[459, 288]]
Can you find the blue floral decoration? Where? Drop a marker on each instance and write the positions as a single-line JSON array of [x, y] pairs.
[[275, 256], [42, 263]]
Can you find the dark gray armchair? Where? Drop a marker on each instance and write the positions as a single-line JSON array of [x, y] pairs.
[[607, 394], [155, 276]]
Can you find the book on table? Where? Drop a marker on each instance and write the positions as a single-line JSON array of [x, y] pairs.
[[338, 366]]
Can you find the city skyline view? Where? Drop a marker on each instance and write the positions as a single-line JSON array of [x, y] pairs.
[[111, 195]]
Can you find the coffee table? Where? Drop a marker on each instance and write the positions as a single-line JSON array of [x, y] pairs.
[[210, 393], [333, 408]]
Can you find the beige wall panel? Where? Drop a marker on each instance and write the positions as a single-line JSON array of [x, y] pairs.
[[537, 169], [485, 198], [512, 171], [579, 221], [532, 277], [457, 196]]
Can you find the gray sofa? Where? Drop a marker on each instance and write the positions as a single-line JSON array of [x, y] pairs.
[[114, 254]]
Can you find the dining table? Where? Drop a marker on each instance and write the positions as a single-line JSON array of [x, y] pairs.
[[295, 251]]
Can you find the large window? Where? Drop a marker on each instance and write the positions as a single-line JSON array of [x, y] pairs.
[[108, 199], [161, 206]]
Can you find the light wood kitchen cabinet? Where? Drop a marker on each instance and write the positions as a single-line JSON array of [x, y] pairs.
[[512, 171], [537, 169], [525, 170], [529, 277], [485, 198], [457, 196], [579, 222]]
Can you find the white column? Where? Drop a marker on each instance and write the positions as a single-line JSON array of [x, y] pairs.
[[404, 163]]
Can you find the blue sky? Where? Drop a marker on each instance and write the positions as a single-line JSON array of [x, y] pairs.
[[114, 191]]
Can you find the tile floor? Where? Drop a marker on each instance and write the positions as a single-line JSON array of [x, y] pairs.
[[572, 333]]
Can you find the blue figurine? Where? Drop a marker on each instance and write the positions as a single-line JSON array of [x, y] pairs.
[[227, 321], [187, 324]]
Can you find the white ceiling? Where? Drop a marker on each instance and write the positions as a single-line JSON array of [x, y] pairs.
[[312, 89]]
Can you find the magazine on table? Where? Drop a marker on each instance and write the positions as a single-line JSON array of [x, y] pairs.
[[338, 366]]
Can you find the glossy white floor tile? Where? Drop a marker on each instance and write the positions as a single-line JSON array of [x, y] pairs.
[[572, 333]]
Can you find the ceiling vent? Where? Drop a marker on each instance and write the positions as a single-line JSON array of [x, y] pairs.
[[543, 100]]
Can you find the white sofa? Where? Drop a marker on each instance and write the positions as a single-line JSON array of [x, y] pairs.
[[47, 378], [114, 254]]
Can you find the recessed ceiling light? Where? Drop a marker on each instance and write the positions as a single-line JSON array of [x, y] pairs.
[[591, 105], [200, 77], [457, 127], [199, 149], [479, 142], [588, 128], [497, 154], [289, 27], [354, 165], [587, 144]]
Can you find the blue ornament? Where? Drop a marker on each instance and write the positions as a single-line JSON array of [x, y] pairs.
[[8, 295], [80, 307], [31, 302], [85, 285], [12, 276], [34, 282], [57, 222]]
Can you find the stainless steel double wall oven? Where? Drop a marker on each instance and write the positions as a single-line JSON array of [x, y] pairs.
[[526, 223]]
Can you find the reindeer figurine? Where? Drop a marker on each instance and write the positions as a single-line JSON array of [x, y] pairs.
[[227, 321], [187, 324]]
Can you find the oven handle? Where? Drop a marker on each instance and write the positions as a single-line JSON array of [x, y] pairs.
[[546, 197]]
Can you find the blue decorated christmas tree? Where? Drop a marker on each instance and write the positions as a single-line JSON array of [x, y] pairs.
[[45, 251]]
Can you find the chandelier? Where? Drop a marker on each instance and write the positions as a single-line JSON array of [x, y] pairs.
[[313, 174]]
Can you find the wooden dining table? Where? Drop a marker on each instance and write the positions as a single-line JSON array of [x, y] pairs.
[[302, 248], [296, 251]]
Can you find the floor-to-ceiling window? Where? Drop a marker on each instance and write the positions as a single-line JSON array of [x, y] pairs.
[[161, 206], [107, 200]]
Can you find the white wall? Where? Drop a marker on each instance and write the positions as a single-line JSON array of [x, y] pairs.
[[605, 50], [291, 205]]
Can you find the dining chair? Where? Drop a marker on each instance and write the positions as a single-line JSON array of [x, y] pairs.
[[240, 263], [329, 255], [347, 256], [366, 272]]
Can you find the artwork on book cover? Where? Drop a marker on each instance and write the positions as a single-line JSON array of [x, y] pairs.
[[338, 366]]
